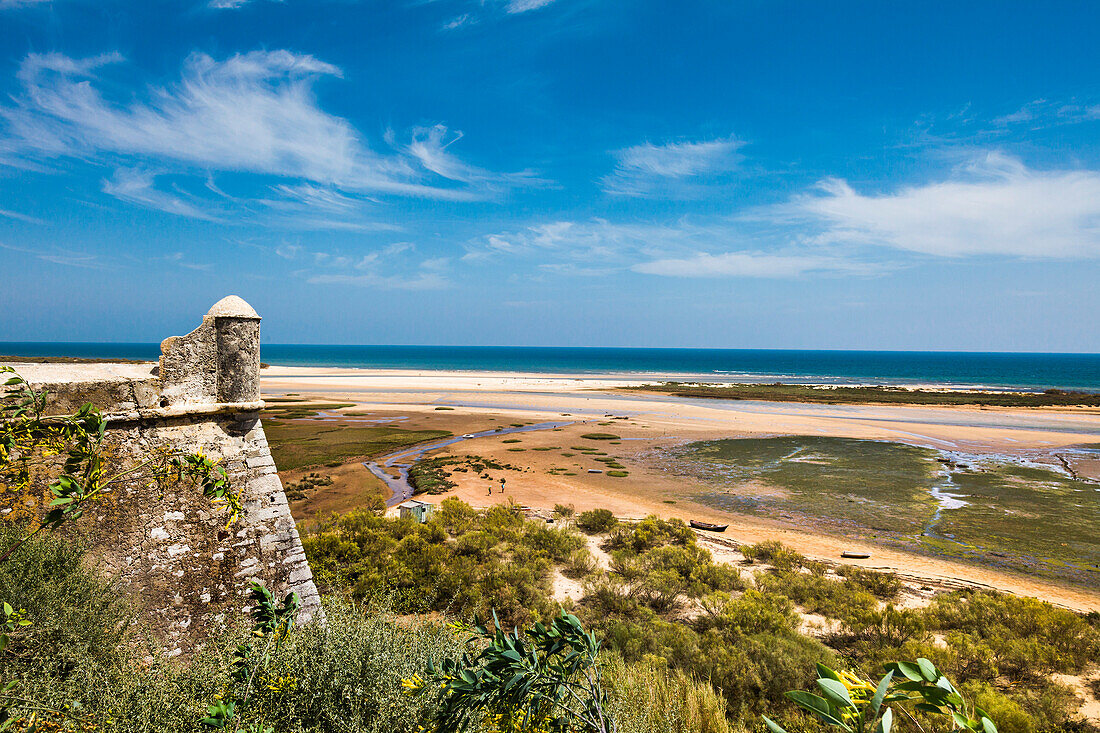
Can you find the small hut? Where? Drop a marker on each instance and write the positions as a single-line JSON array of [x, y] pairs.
[[415, 509]]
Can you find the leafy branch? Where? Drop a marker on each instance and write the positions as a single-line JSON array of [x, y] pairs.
[[547, 678], [855, 705], [271, 624]]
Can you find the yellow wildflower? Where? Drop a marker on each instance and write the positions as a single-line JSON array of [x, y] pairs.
[[413, 684]]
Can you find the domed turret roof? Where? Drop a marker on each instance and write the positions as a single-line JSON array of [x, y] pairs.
[[232, 306]]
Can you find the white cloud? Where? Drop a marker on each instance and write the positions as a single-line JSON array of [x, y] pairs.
[[429, 147], [648, 168], [459, 21], [58, 256], [139, 187], [389, 267], [522, 6], [20, 217], [254, 112], [1045, 113], [744, 264], [993, 205], [415, 281], [715, 248]]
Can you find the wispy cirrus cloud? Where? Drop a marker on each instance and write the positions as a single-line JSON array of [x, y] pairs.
[[59, 256], [649, 169], [754, 264], [523, 6], [1047, 113], [395, 266], [430, 145], [718, 247], [139, 187], [252, 113], [20, 217], [4, 4], [992, 205]]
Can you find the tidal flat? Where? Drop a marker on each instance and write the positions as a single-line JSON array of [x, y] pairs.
[[1005, 511]]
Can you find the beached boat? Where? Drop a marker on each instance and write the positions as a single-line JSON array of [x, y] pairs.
[[708, 526], [855, 555]]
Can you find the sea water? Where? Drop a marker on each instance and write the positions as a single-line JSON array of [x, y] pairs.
[[956, 369]]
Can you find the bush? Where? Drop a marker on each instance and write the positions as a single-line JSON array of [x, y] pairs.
[[461, 561], [774, 553], [649, 533], [599, 436], [563, 511], [78, 620], [818, 594], [344, 676], [884, 586], [596, 521], [647, 697], [581, 564]]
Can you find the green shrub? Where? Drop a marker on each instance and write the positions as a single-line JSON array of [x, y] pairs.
[[774, 553], [647, 697], [884, 586], [649, 533], [564, 511], [78, 620], [600, 436], [596, 521], [837, 599], [580, 565], [461, 561]]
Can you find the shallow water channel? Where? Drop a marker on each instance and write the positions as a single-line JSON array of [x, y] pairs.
[[403, 459]]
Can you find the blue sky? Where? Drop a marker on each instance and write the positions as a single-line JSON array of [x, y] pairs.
[[758, 173]]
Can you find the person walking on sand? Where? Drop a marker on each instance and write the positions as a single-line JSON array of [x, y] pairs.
[[501, 486]]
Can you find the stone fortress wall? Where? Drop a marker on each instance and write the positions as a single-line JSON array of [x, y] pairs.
[[173, 552]]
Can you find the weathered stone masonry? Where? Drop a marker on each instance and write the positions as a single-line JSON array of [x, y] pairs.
[[172, 552]]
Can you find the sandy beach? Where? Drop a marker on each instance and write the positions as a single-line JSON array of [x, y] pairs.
[[644, 422]]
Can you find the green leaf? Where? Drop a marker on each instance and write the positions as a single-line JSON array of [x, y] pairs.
[[827, 673], [880, 692], [886, 721], [987, 725], [772, 725], [817, 705], [836, 693], [928, 670], [910, 670], [961, 720]]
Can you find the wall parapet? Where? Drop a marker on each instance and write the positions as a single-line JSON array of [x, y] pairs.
[[173, 553]]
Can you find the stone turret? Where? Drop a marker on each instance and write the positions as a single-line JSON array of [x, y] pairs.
[[171, 551], [218, 362]]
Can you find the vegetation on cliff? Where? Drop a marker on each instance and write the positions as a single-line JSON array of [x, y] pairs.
[[662, 600]]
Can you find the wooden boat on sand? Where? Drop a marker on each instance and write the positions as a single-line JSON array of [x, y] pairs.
[[708, 526], [849, 554]]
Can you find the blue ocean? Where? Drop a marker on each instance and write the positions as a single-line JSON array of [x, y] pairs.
[[958, 369]]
